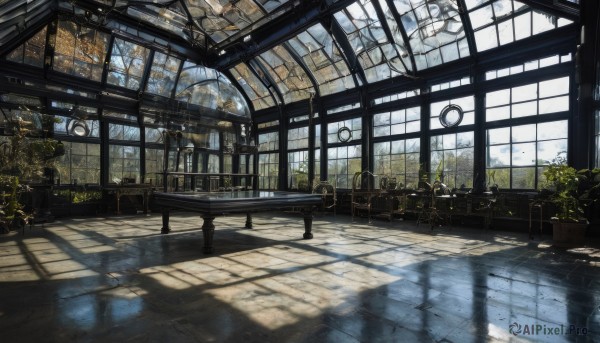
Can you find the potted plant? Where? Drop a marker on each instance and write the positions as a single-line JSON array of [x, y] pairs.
[[569, 222]]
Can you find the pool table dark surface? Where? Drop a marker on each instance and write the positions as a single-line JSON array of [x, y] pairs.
[[210, 205]]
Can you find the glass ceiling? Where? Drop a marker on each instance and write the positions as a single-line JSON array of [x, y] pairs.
[[364, 41]]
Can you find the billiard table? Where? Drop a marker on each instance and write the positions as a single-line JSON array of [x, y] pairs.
[[210, 205]]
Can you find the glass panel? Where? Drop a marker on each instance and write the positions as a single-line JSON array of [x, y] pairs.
[[553, 130], [523, 133], [32, 51], [498, 156], [223, 19], [548, 150], [268, 141], [397, 122], [124, 162], [450, 84], [291, 79], [452, 159], [524, 93], [544, 97], [398, 159], [254, 88], [434, 29], [497, 98], [342, 163], [209, 88], [503, 22], [154, 166], [81, 161], [298, 138], [554, 87], [153, 135], [498, 136], [486, 38], [163, 74], [123, 132], [171, 17], [467, 104], [337, 130], [532, 145], [80, 51], [298, 170], [379, 58], [127, 64], [397, 96], [268, 171], [324, 59], [553, 105], [213, 164]]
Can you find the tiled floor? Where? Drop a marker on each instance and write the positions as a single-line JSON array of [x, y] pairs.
[[118, 279]]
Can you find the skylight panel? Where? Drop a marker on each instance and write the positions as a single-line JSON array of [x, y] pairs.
[[435, 31], [32, 51], [172, 18], [270, 5], [291, 79], [254, 88], [127, 64], [209, 88], [379, 58], [220, 19], [163, 74], [79, 50], [500, 22], [324, 59]]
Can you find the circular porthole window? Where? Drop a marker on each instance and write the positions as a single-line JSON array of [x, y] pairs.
[[451, 116], [344, 134], [79, 128]]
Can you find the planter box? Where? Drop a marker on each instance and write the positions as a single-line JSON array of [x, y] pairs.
[[568, 235]]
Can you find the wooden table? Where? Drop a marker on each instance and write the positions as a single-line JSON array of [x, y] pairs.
[[134, 189]]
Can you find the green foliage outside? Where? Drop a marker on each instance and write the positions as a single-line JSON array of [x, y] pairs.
[[26, 156]]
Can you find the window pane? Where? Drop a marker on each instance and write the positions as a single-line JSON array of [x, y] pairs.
[[523, 154], [524, 93], [127, 64], [124, 162], [523, 178], [163, 74]]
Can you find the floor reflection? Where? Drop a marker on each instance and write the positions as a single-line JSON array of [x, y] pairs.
[[120, 279]]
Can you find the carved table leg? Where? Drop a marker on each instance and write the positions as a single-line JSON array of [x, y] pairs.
[[208, 230], [308, 217], [248, 220], [165, 222]]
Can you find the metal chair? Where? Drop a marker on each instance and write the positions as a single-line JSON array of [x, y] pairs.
[[328, 194]]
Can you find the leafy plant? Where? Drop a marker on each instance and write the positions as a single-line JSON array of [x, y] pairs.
[[11, 210], [564, 181], [86, 196], [23, 157]]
